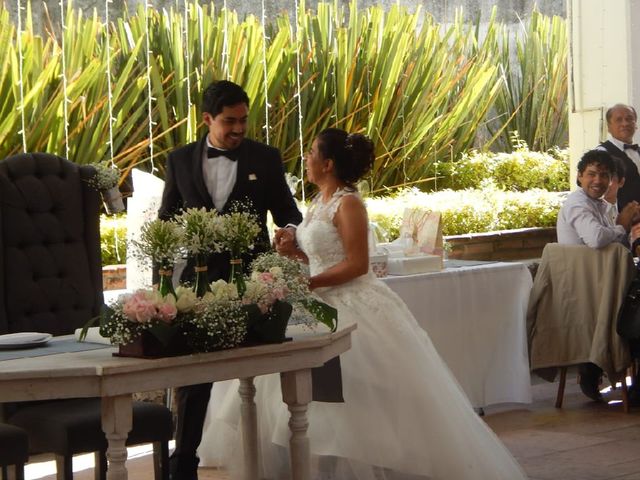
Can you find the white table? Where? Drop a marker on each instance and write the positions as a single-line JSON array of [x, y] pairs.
[[476, 318], [97, 373]]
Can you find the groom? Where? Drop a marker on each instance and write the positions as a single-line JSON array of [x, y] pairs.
[[221, 168]]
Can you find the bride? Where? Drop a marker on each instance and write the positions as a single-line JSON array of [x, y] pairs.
[[404, 416]]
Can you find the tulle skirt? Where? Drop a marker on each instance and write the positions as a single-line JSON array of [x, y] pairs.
[[404, 417]]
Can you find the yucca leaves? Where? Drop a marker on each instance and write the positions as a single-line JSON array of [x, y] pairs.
[[420, 89]]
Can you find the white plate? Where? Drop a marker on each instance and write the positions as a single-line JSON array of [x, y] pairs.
[[23, 340]]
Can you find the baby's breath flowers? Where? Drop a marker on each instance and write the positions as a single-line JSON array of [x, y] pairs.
[[238, 232], [106, 177], [161, 241], [219, 320], [275, 280], [201, 229]]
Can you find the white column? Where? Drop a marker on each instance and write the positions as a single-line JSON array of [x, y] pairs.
[[601, 67]]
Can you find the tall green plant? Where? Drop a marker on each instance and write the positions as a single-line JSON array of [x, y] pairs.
[[420, 89], [533, 98]]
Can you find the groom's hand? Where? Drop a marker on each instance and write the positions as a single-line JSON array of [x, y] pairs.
[[284, 241]]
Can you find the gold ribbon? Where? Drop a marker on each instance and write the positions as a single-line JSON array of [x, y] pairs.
[[201, 269], [235, 261], [165, 273]]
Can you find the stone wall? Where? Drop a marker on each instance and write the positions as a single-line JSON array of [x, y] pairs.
[[525, 243]]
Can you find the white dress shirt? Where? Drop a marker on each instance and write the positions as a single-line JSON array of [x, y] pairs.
[[219, 176], [612, 212], [585, 221], [631, 153]]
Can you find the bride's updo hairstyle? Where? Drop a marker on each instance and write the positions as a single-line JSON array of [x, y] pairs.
[[352, 154]]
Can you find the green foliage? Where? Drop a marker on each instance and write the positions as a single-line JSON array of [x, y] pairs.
[[471, 210], [424, 102], [113, 239], [519, 171], [534, 95]]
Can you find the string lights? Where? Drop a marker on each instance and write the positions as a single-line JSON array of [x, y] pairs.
[[111, 119], [298, 95], [187, 65], [264, 72], [150, 98], [63, 75], [225, 43], [23, 131]]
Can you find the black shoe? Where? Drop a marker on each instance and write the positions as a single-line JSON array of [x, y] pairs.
[[590, 389], [183, 468], [590, 380]]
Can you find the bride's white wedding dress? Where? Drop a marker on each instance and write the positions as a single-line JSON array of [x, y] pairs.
[[404, 416]]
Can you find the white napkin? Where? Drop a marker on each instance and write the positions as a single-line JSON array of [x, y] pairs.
[[23, 338], [93, 336]]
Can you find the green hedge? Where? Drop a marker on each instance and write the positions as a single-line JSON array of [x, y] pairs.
[[464, 211], [520, 170], [471, 210], [113, 239]]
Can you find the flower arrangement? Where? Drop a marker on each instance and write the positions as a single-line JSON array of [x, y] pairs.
[[193, 324], [106, 181], [161, 241], [132, 314], [218, 322], [238, 231], [107, 176], [277, 280], [201, 228]]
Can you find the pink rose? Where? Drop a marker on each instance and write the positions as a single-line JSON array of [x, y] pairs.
[[266, 277], [167, 312], [139, 309]]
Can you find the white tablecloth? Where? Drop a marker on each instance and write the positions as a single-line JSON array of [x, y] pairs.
[[475, 317]]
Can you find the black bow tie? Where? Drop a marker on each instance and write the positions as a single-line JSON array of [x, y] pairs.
[[213, 152], [631, 146]]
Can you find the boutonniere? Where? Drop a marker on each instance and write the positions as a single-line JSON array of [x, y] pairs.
[[252, 177]]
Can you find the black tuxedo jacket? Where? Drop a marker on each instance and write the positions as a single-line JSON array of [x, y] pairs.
[[260, 180], [631, 189]]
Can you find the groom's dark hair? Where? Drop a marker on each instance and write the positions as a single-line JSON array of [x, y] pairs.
[[220, 94]]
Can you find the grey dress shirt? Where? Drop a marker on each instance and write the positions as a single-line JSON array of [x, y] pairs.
[[585, 221]]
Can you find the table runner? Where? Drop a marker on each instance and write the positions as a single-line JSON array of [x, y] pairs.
[[62, 344]]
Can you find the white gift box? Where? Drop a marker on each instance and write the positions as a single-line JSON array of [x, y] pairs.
[[414, 264]]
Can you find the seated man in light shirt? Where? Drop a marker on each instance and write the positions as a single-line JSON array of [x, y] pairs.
[[583, 218]]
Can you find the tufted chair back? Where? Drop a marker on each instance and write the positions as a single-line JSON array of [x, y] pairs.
[[50, 262]]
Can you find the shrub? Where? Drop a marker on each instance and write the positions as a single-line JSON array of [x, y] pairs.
[[113, 239], [465, 211], [520, 170], [471, 210]]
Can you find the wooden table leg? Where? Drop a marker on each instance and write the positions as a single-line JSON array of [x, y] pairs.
[[117, 422], [249, 418], [296, 392]]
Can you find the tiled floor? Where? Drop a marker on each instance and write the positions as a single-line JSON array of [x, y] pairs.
[[582, 441]]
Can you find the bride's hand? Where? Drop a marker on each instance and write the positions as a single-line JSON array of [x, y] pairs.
[[285, 241]]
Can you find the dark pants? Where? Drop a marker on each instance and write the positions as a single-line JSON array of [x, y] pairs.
[[192, 402]]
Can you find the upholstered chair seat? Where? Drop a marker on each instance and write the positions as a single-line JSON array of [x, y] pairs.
[[14, 450]]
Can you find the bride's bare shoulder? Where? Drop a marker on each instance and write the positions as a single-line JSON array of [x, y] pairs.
[[351, 204]]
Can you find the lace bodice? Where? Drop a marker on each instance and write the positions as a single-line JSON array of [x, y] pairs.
[[318, 236]]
